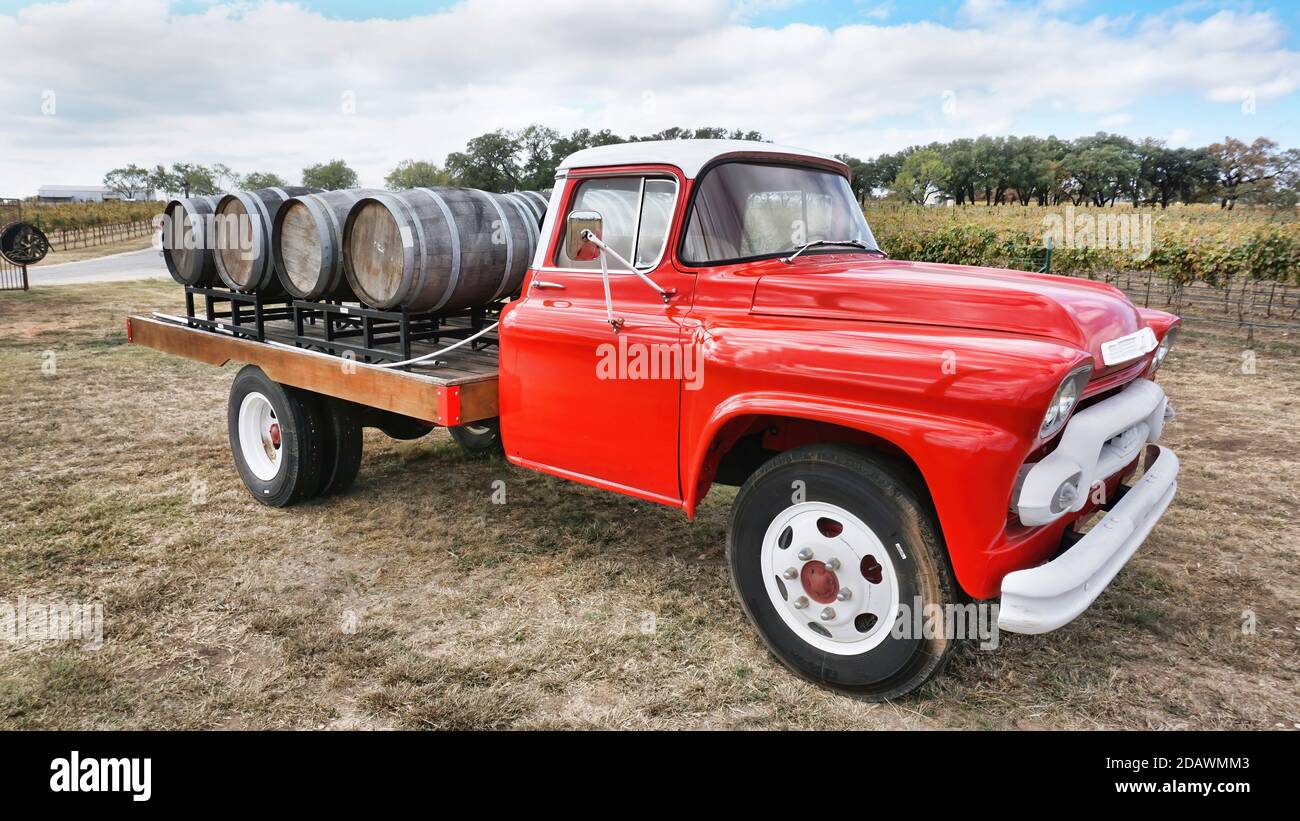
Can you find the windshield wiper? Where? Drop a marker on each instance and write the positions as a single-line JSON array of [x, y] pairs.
[[855, 243]]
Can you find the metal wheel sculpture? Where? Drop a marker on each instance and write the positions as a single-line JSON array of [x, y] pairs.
[[23, 244]]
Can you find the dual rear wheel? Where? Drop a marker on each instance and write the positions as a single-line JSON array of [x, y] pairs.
[[292, 445]]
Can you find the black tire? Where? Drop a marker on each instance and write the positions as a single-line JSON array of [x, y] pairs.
[[879, 495], [341, 453], [299, 423], [396, 426], [478, 439]]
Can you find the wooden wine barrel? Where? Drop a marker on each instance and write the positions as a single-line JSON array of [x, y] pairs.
[[187, 241], [243, 237], [535, 201], [307, 243], [440, 249]]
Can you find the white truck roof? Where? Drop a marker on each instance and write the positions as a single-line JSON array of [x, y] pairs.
[[691, 155]]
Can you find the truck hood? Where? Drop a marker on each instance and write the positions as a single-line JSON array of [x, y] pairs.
[[1081, 313]]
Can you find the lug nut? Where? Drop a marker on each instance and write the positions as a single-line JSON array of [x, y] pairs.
[[805, 554], [790, 573], [827, 614], [801, 602], [833, 565], [845, 594]]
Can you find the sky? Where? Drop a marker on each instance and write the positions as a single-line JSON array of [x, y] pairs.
[[90, 85]]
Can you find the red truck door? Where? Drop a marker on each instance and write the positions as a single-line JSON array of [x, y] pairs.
[[578, 399]]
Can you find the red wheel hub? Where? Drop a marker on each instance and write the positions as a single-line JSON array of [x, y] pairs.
[[820, 584], [275, 434]]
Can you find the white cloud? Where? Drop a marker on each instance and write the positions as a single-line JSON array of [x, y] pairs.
[[878, 11], [258, 85]]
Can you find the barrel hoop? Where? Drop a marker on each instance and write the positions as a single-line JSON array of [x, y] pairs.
[[539, 211], [541, 201], [518, 196], [531, 229], [521, 203], [261, 231], [316, 205], [453, 231], [197, 236], [336, 243], [284, 195], [411, 247], [510, 244]]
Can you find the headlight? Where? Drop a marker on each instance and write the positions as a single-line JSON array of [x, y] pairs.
[[1064, 400], [1162, 350]]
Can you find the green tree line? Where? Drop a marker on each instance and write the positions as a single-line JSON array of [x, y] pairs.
[[500, 160], [1100, 170]]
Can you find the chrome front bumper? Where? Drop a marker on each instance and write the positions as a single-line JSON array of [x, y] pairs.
[[1097, 442], [1046, 597]]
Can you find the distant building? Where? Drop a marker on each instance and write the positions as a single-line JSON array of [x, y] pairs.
[[84, 193]]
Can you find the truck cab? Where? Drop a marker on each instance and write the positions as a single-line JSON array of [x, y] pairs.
[[906, 436]]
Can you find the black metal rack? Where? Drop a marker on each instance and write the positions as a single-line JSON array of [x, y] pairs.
[[373, 335], [336, 328], [244, 315]]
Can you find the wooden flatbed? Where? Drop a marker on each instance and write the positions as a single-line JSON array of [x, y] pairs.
[[459, 387]]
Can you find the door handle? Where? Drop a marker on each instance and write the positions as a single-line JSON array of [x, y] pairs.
[[537, 283]]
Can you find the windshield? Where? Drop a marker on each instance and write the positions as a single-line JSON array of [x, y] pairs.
[[745, 210]]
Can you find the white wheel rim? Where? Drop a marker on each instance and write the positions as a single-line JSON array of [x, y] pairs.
[[260, 438], [477, 430], [798, 584]]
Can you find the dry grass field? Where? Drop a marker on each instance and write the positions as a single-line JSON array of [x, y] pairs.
[[415, 602]]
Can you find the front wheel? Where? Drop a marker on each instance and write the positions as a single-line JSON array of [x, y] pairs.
[[481, 438], [831, 553]]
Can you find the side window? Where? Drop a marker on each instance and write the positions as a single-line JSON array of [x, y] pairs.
[[636, 212], [656, 219]]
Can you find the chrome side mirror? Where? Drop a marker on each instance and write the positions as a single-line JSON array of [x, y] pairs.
[[576, 245]]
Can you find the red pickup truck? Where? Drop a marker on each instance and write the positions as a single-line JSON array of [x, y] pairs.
[[903, 435]]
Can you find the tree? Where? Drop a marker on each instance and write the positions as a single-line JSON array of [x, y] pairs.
[[262, 179], [224, 177], [861, 177], [417, 174], [1102, 168], [1173, 173], [537, 157], [331, 176], [1246, 170], [490, 162], [526, 159], [706, 133], [921, 177], [883, 170], [185, 179], [128, 181], [962, 172]]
